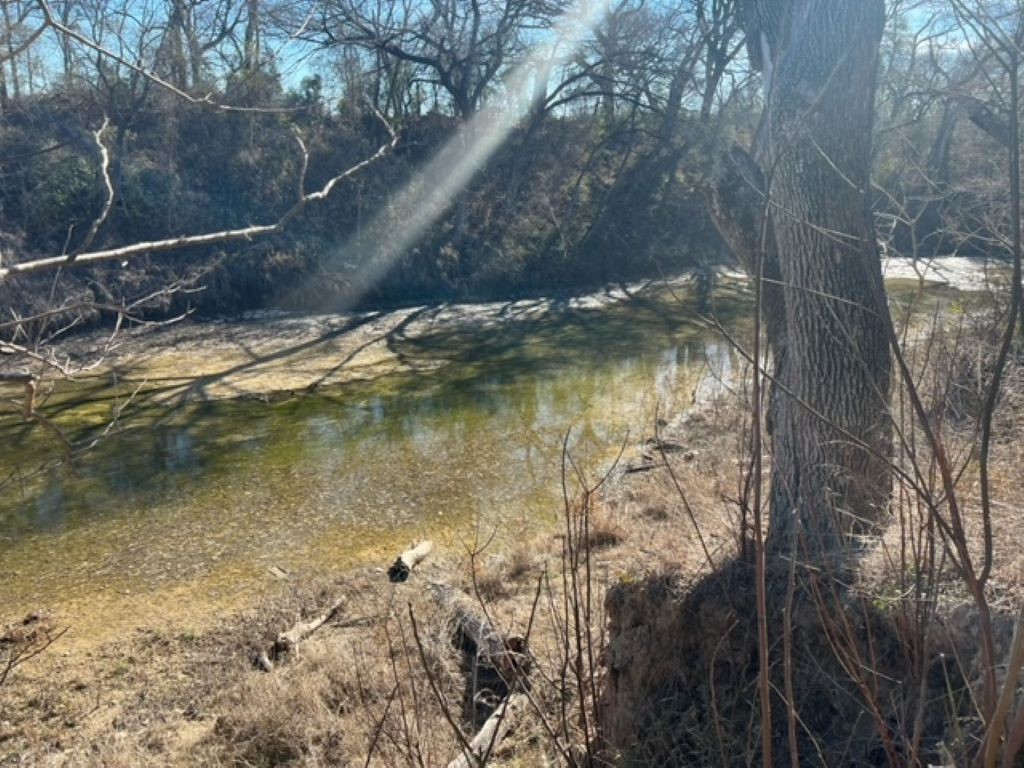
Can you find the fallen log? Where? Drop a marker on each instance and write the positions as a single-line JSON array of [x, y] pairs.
[[492, 732], [287, 641], [472, 630], [408, 560], [261, 660], [496, 664]]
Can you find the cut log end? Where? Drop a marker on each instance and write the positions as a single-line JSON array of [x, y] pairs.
[[403, 566], [398, 572]]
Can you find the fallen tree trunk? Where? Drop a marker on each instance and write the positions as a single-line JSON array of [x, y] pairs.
[[496, 664], [473, 631], [408, 560], [493, 731]]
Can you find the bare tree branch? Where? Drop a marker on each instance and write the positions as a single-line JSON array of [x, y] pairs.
[[16, 50], [51, 22], [209, 238], [108, 183]]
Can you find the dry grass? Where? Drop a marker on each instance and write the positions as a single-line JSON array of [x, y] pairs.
[[605, 529], [881, 673]]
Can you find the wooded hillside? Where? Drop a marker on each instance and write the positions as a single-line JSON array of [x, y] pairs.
[[126, 122]]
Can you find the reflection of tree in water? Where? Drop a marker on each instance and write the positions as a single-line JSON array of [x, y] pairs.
[[719, 374], [525, 407], [665, 378], [179, 451], [50, 508], [704, 288]]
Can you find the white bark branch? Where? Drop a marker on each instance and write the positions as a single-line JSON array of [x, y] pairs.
[[108, 183], [493, 731], [286, 642], [209, 238]]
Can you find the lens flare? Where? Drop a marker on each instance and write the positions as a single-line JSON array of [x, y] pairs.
[[432, 190]]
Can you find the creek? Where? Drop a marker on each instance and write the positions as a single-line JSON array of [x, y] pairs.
[[229, 454], [307, 445]]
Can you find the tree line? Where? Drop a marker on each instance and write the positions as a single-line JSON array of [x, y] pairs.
[[195, 108], [127, 122]]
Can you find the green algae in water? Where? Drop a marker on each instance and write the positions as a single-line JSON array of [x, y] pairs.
[[185, 505], [189, 502]]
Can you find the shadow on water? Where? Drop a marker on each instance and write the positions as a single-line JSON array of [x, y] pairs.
[[450, 369], [464, 427]]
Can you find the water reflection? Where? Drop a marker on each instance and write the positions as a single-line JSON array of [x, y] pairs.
[[179, 452], [474, 438], [49, 509]]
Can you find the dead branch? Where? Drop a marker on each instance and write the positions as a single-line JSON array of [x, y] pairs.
[[475, 634], [1015, 739], [493, 731], [23, 642], [289, 640], [1004, 704], [498, 664], [209, 238], [108, 183], [445, 709], [24, 45], [261, 660]]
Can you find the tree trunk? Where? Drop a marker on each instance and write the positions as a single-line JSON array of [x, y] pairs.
[[251, 53], [11, 58], [5, 99], [829, 409], [832, 478]]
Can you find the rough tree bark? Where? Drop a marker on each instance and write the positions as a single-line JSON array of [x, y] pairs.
[[828, 415]]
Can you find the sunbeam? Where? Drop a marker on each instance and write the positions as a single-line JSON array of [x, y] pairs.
[[431, 191]]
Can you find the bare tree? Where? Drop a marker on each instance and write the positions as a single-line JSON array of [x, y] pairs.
[[460, 46], [119, 43]]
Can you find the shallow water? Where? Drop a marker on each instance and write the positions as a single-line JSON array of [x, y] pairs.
[[183, 509]]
